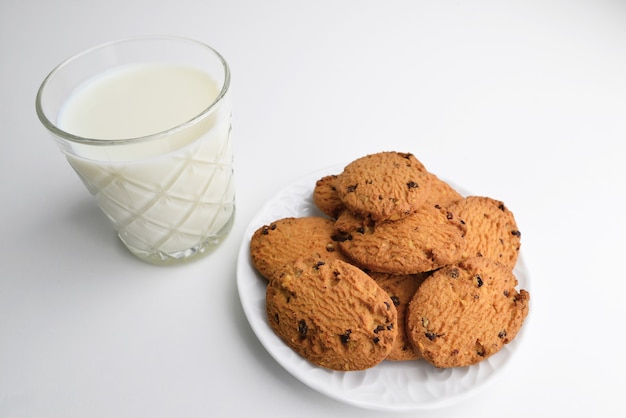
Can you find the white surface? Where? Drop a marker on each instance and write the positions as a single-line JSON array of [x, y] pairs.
[[390, 386], [524, 101]]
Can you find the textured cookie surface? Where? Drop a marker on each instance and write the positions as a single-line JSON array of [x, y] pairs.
[[427, 239], [287, 239], [441, 192], [326, 198], [332, 314], [386, 185], [491, 229], [401, 288], [464, 313]]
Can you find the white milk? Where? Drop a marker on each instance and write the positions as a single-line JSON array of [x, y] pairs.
[[174, 195]]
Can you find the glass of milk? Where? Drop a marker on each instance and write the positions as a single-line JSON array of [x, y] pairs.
[[146, 124]]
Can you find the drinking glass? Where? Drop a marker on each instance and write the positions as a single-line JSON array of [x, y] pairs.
[[146, 124]]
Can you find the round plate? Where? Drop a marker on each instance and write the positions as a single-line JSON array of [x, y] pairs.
[[391, 386]]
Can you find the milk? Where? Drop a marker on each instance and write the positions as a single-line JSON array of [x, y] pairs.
[[171, 194]]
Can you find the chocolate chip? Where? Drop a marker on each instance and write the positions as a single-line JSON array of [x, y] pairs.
[[376, 340], [501, 207], [346, 336], [449, 215], [378, 329], [302, 328], [351, 189], [318, 265], [395, 300], [479, 280], [412, 185], [429, 253], [502, 334], [516, 233], [431, 335], [480, 349], [341, 237], [267, 228]]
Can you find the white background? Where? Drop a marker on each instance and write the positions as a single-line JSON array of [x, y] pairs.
[[523, 101]]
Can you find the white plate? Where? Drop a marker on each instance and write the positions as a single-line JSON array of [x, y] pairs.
[[397, 386]]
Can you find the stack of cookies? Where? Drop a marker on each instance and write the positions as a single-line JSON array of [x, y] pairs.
[[402, 267]]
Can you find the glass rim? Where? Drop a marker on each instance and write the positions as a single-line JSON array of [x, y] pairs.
[[53, 128]]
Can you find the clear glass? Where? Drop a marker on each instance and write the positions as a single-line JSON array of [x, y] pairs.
[[169, 194]]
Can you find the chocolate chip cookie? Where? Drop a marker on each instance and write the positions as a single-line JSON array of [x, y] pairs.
[[332, 313], [326, 198], [401, 288], [383, 186], [491, 229], [466, 312], [426, 240], [282, 241]]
